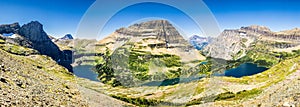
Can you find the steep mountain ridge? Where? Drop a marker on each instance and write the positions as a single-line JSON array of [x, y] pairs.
[[156, 36], [149, 51], [32, 35], [233, 44]]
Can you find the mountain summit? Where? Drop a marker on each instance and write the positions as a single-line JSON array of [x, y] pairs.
[[67, 37], [156, 36], [150, 51], [162, 29]]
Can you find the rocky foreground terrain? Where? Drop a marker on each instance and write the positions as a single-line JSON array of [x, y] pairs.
[[32, 35], [29, 78]]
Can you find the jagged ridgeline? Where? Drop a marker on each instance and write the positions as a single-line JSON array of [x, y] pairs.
[[33, 36], [147, 51], [254, 43]]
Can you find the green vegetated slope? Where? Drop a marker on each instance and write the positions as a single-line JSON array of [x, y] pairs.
[[30, 79], [227, 90], [262, 54], [141, 66], [260, 82]]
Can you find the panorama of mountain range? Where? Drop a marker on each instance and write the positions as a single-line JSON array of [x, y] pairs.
[[149, 64]]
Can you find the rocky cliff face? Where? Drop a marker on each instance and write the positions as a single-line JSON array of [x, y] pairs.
[[290, 35], [157, 36], [40, 41], [228, 44], [161, 29], [9, 28], [233, 44], [32, 35], [34, 32]]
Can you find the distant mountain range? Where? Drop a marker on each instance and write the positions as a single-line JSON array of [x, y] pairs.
[[199, 42], [231, 43]]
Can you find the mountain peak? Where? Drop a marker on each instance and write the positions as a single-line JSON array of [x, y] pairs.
[[67, 37], [161, 29], [256, 28], [34, 31], [9, 28]]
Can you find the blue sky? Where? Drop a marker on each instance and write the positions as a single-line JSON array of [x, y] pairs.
[[151, 11], [275, 14], [58, 16], [63, 16]]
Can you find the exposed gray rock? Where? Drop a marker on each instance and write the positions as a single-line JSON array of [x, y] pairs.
[[162, 29], [232, 44], [34, 32], [40, 41], [228, 45], [9, 28]]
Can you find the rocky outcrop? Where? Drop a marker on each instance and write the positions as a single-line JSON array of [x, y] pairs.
[[290, 35], [9, 28], [40, 41], [162, 29], [232, 44], [34, 32], [293, 34], [228, 45], [32, 35]]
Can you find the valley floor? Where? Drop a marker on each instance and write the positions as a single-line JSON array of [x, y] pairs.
[[278, 86]]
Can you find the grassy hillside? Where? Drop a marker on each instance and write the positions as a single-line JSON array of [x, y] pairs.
[[29, 79]]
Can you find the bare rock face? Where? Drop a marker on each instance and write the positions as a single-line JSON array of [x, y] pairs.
[[9, 28], [293, 34], [155, 36], [257, 28], [228, 44], [33, 31], [232, 44], [162, 29]]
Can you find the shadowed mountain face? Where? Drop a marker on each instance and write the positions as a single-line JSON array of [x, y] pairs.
[[67, 37], [32, 35], [9, 28]]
